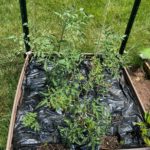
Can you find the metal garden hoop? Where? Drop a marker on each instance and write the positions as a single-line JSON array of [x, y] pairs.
[[23, 10]]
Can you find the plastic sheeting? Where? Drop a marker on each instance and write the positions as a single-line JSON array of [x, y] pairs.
[[120, 100]]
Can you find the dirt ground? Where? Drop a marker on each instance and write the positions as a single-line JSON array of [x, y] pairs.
[[52, 147], [110, 143], [142, 85]]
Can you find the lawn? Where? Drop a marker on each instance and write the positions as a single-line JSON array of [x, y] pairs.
[[113, 13]]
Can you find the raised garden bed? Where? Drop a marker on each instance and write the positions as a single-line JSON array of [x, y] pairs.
[[66, 100], [125, 110]]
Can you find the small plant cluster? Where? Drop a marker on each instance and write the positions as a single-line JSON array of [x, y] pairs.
[[30, 120], [107, 48], [145, 128], [86, 120]]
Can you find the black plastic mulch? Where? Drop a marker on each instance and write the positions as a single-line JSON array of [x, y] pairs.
[[120, 100]]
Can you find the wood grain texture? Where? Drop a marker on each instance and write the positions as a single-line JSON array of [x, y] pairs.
[[18, 97]]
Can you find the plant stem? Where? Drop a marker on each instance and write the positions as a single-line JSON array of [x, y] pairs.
[[62, 34]]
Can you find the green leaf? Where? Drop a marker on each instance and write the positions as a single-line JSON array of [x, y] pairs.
[[29, 120], [145, 53], [62, 62], [147, 118], [147, 141]]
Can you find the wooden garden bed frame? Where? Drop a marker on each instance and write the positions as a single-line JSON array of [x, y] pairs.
[[147, 68], [18, 100]]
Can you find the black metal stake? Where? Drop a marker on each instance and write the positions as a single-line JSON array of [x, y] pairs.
[[129, 26], [24, 17]]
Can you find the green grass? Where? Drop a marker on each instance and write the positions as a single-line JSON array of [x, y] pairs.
[[114, 13]]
